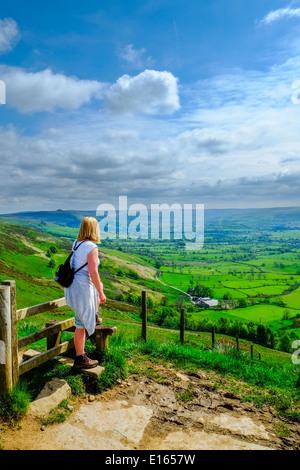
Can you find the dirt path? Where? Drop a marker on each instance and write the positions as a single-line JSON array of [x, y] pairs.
[[172, 411]]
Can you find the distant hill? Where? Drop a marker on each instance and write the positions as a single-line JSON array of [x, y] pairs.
[[59, 217], [285, 217], [281, 217]]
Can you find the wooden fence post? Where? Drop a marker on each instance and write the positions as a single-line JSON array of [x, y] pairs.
[[213, 337], [55, 339], [14, 331], [102, 333], [6, 376], [144, 316], [182, 325]]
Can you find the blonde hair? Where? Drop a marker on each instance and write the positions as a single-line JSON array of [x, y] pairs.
[[89, 230]]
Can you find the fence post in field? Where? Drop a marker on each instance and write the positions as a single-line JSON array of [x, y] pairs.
[[144, 316], [14, 330], [237, 344], [6, 376], [182, 325], [213, 337]]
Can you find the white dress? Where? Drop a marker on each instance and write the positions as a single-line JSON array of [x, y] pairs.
[[82, 296]]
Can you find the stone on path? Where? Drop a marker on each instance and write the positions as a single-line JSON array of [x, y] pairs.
[[201, 440], [242, 425], [103, 426], [53, 393]]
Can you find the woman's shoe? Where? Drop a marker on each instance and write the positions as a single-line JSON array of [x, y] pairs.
[[84, 362]]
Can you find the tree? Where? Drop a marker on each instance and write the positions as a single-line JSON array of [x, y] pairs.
[[164, 301], [261, 335], [179, 304], [285, 342], [286, 315], [202, 291], [51, 264], [272, 341]]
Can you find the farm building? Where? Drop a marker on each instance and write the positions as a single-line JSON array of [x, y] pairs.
[[205, 302]]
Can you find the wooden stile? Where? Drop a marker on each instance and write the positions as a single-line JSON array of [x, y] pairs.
[[14, 330], [10, 368], [52, 328], [45, 356], [6, 374], [40, 308]]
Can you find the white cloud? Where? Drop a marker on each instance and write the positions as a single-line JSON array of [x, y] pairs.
[[149, 92], [9, 34], [45, 91], [279, 14], [135, 57], [235, 142]]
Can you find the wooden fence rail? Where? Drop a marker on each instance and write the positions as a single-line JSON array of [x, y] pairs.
[[10, 368]]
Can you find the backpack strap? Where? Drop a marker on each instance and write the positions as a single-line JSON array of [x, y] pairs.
[[80, 268], [77, 246], [74, 249]]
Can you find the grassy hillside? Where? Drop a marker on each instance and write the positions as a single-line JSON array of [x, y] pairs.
[[238, 262], [25, 254]]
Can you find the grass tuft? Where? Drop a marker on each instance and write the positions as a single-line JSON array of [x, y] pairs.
[[14, 404]]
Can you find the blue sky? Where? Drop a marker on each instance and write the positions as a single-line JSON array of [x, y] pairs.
[[161, 101]]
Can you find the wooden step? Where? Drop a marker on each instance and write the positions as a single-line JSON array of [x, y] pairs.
[[29, 354], [95, 372]]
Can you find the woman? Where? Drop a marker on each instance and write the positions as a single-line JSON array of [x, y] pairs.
[[86, 291]]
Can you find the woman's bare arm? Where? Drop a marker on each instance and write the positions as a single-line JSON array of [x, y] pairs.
[[93, 270]]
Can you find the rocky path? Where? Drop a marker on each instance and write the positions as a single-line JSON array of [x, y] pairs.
[[176, 412]]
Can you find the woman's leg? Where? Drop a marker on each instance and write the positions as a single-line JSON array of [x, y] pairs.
[[82, 361], [79, 340]]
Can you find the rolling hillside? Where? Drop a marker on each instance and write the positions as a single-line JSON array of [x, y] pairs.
[[263, 278], [63, 222], [25, 254]]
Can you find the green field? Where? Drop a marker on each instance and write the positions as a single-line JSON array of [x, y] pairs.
[[253, 273], [241, 261], [292, 300]]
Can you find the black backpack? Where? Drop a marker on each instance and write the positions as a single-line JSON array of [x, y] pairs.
[[65, 273]]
